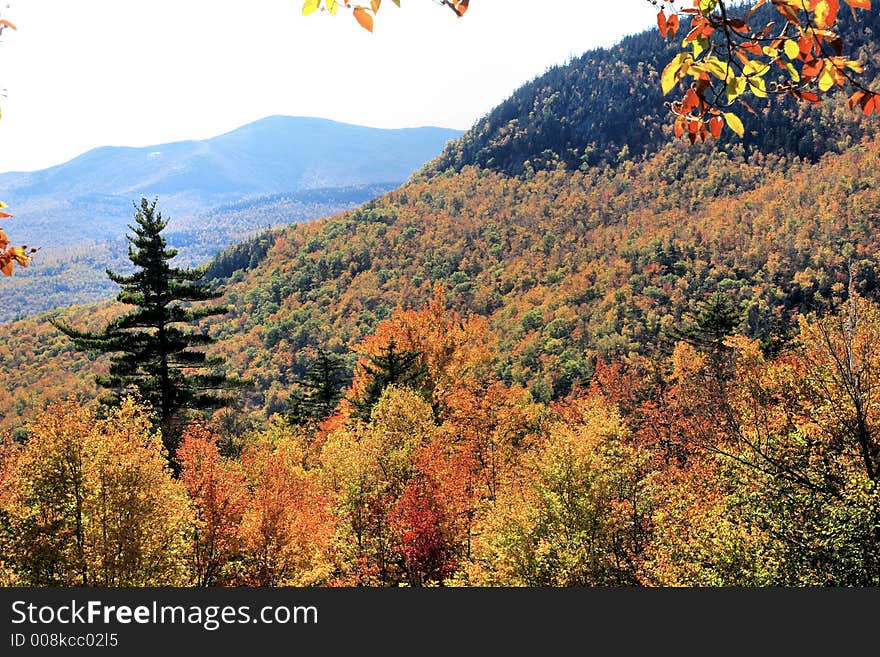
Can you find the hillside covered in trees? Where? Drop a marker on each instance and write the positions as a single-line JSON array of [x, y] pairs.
[[607, 106], [551, 358]]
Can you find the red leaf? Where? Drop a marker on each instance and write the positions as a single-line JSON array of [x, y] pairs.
[[855, 98]]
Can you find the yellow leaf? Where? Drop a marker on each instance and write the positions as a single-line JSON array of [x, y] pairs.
[[734, 123], [735, 88], [826, 78], [672, 73], [717, 68], [854, 66], [792, 49], [758, 87], [309, 7], [756, 68]]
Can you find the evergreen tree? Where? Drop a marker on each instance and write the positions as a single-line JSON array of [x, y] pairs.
[[389, 367], [321, 389], [150, 349], [716, 319]]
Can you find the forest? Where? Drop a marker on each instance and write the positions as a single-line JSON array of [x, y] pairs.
[[571, 351], [715, 465]]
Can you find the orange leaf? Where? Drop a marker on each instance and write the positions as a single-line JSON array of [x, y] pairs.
[[806, 46], [5, 215], [812, 68], [6, 23], [362, 17], [679, 126], [826, 12], [855, 98], [662, 24], [375, 5], [19, 255], [715, 126], [672, 26], [691, 102], [753, 47]]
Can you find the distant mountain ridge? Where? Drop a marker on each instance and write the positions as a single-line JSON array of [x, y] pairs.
[[278, 154], [217, 191]]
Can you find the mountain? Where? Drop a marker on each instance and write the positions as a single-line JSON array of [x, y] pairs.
[[607, 106], [77, 212], [569, 262], [275, 155]]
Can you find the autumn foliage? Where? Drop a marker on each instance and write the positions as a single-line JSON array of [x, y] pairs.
[[734, 54], [677, 471]]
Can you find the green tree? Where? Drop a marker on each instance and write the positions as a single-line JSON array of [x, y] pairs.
[[391, 366], [716, 319], [150, 349], [321, 389]]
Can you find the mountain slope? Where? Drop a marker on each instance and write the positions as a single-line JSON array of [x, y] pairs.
[[567, 267], [61, 276], [568, 264], [606, 106]]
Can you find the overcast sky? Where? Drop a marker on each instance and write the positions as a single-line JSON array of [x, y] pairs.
[[84, 73]]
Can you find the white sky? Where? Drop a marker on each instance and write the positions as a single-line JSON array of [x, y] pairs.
[[84, 73]]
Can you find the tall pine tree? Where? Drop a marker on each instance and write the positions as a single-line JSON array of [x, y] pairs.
[[320, 391], [391, 366], [717, 319], [151, 350]]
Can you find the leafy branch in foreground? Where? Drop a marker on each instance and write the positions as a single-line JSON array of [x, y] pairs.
[[732, 58], [364, 15], [728, 57]]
